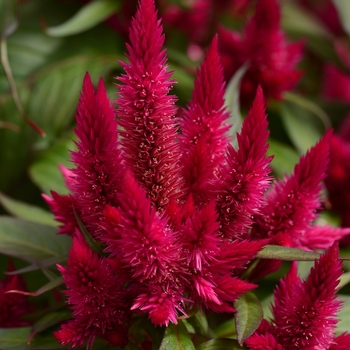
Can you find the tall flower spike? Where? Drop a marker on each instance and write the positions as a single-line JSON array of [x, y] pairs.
[[146, 110], [244, 179], [271, 60], [150, 249], [304, 312], [203, 140], [310, 306], [96, 177], [96, 297], [292, 203]]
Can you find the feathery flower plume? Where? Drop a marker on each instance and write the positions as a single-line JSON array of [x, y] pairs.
[[293, 202], [304, 312], [12, 305], [271, 60], [98, 163], [96, 297], [147, 112], [244, 179], [203, 140]]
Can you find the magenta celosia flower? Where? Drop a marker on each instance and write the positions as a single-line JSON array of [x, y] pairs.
[[244, 179], [98, 163], [13, 306], [204, 139], [263, 46], [304, 312], [292, 206], [147, 112], [96, 296], [335, 84]]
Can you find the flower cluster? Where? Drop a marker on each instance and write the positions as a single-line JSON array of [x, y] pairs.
[[177, 210]]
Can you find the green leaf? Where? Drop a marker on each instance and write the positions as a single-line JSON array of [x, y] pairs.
[[87, 17], [286, 253], [232, 102], [43, 264], [8, 18], [248, 316], [343, 8], [45, 173], [300, 127], [226, 329], [45, 288], [344, 314], [29, 241], [28, 211], [284, 158], [48, 321], [309, 106], [176, 337], [220, 344], [344, 279], [17, 339], [13, 337]]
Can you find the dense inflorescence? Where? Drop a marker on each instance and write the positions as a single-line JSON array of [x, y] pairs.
[[171, 211]]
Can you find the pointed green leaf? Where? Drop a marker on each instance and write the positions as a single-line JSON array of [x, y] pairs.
[[248, 316], [28, 211], [344, 314], [304, 130], [43, 264], [87, 17], [176, 337], [13, 337], [344, 279], [220, 344], [29, 241], [343, 8], [45, 288], [232, 102], [286, 253], [284, 158], [49, 320], [45, 172], [226, 329]]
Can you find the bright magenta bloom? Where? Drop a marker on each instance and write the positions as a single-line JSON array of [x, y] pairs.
[[204, 127], [244, 177], [147, 112], [96, 297], [304, 312], [263, 46], [13, 306], [96, 178]]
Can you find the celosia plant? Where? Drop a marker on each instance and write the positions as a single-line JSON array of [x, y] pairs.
[[176, 209], [167, 229]]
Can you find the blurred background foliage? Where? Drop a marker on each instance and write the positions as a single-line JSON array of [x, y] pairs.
[[47, 47]]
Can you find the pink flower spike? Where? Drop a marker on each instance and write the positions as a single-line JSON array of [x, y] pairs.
[[245, 178], [305, 311], [292, 203], [146, 243], [147, 112], [96, 296], [263, 342], [204, 126], [98, 161]]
